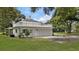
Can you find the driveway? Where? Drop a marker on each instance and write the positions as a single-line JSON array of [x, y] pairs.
[[61, 37]]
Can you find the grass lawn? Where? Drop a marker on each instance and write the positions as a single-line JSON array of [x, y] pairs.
[[74, 33], [31, 44]]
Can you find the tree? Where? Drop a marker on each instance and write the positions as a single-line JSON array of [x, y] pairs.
[[66, 17], [7, 14], [45, 9], [77, 27], [58, 25]]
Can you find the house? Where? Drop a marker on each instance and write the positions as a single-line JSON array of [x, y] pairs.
[[73, 28], [36, 28]]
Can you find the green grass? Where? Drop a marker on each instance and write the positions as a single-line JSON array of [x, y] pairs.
[[74, 33], [32, 44]]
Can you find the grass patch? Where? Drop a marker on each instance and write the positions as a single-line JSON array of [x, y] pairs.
[[32, 44], [74, 33]]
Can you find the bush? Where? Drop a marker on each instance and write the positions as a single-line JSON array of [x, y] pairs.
[[27, 32]]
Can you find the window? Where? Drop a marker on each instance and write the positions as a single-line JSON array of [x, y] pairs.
[[16, 30], [24, 30]]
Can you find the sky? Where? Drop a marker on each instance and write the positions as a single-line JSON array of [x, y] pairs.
[[38, 15]]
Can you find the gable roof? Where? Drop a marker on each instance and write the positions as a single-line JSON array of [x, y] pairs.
[[26, 19]]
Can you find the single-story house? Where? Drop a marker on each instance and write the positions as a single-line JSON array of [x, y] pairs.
[[36, 28]]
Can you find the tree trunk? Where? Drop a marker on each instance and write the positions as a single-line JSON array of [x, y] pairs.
[[69, 27]]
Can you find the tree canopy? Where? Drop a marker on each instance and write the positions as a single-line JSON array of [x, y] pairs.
[[65, 16], [45, 9], [7, 14]]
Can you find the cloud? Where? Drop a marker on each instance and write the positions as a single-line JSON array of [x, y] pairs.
[[44, 19]]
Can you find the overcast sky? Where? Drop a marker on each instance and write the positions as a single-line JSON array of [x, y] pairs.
[[38, 15]]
